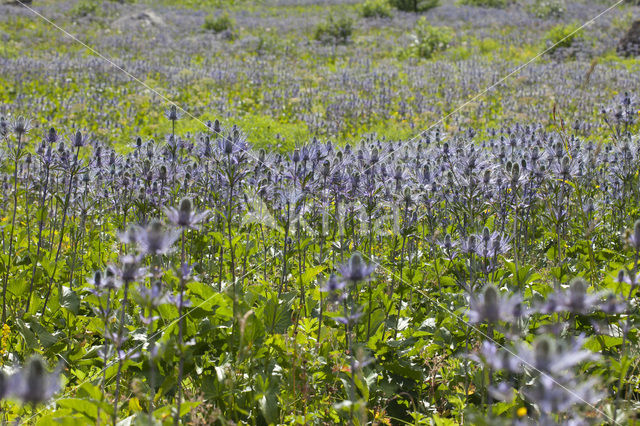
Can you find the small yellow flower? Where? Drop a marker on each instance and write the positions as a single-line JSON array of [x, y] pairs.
[[4, 340], [522, 411]]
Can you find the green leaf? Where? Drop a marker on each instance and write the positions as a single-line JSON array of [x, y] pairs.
[[278, 310], [63, 417], [309, 275], [27, 334], [90, 390], [404, 368], [46, 339], [82, 406], [269, 407], [443, 421], [70, 300]]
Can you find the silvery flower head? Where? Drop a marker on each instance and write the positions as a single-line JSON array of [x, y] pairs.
[[612, 306], [130, 236], [173, 114], [448, 245], [79, 140], [575, 299], [497, 359], [105, 280], [110, 279], [130, 269], [554, 357], [491, 244], [578, 299], [356, 269], [469, 245], [333, 285], [96, 280], [627, 277], [492, 307], [33, 384], [554, 396], [185, 217], [20, 126], [52, 136], [155, 238]]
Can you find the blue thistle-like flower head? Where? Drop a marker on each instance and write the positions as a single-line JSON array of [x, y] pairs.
[[173, 113], [356, 270]]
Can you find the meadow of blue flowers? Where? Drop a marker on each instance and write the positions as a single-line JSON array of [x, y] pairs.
[[319, 212]]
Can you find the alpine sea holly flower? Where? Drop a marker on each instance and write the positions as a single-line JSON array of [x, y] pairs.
[[628, 277], [493, 308], [130, 269], [234, 145], [215, 126], [469, 245], [173, 114], [557, 395], [552, 357], [130, 236], [52, 136], [110, 280], [96, 280], [491, 244], [575, 299], [79, 140], [155, 238], [33, 384], [333, 285], [611, 305], [448, 245], [497, 359], [554, 388], [185, 217], [356, 270], [20, 126]]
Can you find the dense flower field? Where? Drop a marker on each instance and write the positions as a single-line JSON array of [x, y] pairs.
[[176, 269]]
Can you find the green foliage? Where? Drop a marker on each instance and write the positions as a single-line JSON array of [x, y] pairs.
[[415, 5], [218, 23], [334, 30], [428, 39], [85, 8], [562, 36], [376, 9], [548, 8], [487, 3]]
